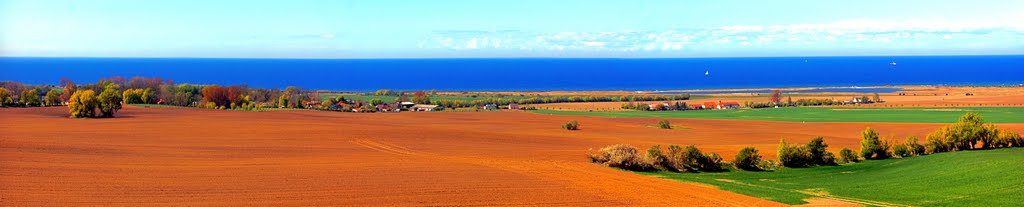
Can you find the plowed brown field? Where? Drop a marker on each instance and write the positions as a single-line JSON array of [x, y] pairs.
[[194, 157]]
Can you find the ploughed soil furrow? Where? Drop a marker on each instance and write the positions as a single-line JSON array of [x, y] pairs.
[[193, 157]]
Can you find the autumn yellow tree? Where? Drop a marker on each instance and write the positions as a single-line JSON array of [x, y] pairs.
[[83, 104]]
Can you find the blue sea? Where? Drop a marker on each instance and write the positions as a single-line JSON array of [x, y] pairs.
[[533, 74]]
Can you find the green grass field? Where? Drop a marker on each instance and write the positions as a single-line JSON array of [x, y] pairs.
[[970, 178], [821, 114]]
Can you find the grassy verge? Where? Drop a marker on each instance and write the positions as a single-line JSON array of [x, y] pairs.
[[967, 178], [821, 114]]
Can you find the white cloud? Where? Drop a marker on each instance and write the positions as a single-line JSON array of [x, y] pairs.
[[844, 34]]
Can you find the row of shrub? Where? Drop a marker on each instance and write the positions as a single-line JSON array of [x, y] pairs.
[[969, 132], [813, 153], [675, 158]]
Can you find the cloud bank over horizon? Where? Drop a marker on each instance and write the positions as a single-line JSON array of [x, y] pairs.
[[874, 36]]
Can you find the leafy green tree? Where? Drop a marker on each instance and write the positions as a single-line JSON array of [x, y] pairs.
[[110, 100], [53, 98], [30, 97], [384, 92], [747, 159], [967, 131], [83, 104], [376, 101], [819, 152]]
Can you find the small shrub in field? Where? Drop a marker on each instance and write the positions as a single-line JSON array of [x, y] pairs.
[[819, 152], [871, 147], [675, 158], [571, 125], [914, 147], [794, 155], [711, 162], [901, 150], [747, 159], [1008, 138], [655, 157], [621, 156], [847, 155], [664, 124], [691, 158]]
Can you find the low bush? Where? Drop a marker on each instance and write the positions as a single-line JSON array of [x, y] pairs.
[[571, 125], [747, 159], [873, 148], [819, 152], [621, 156], [664, 124], [655, 157], [915, 148], [847, 155], [711, 162], [901, 150], [794, 155]]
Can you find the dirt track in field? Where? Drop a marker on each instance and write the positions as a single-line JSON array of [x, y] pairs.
[[195, 157]]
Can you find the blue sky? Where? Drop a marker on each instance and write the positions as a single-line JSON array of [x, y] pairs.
[[520, 28]]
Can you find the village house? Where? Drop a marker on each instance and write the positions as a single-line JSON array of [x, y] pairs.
[[858, 100], [708, 105], [728, 105], [513, 106], [425, 107], [490, 106], [405, 105], [658, 106], [383, 107], [719, 105]]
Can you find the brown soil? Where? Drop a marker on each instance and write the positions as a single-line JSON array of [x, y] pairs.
[[196, 157]]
